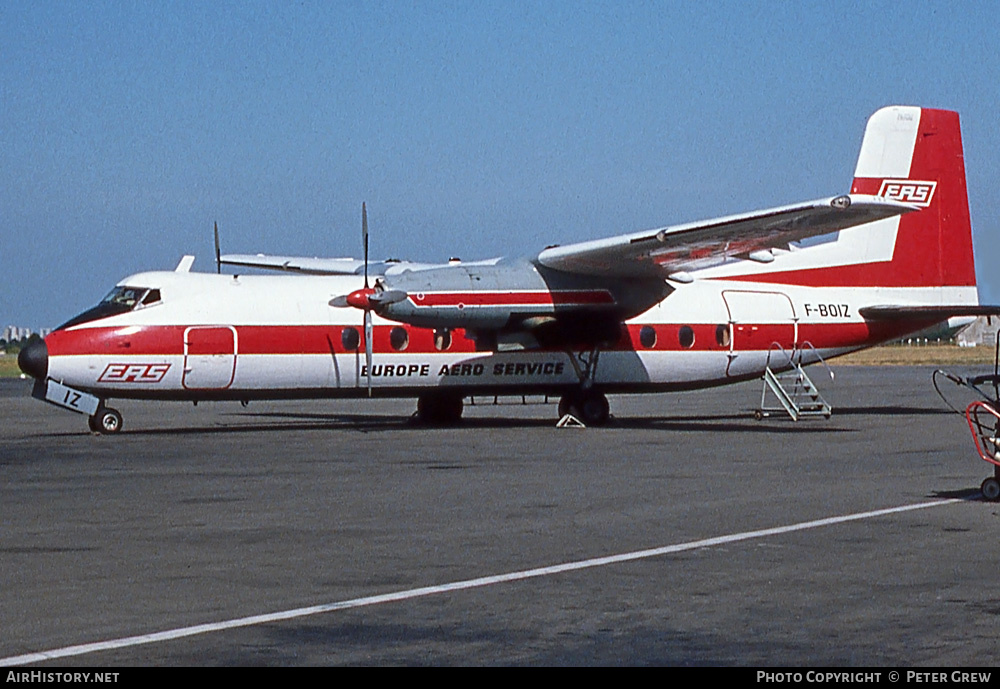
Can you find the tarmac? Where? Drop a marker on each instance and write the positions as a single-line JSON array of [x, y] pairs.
[[339, 533]]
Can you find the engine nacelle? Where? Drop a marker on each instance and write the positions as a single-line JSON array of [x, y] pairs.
[[512, 297]]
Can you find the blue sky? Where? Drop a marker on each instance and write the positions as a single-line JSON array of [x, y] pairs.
[[473, 129]]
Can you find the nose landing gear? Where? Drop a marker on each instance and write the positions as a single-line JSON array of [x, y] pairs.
[[105, 420]]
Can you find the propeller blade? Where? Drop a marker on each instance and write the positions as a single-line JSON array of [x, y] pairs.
[[364, 238], [368, 348], [218, 255]]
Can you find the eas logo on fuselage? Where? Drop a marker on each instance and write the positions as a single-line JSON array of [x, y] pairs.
[[134, 373], [908, 191]]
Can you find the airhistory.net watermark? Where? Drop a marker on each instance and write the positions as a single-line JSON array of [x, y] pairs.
[[28, 676]]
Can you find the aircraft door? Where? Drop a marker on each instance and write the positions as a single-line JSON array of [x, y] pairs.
[[759, 321], [209, 357]]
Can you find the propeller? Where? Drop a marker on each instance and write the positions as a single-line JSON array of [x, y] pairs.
[[364, 238], [218, 255], [368, 298], [369, 332], [369, 329]]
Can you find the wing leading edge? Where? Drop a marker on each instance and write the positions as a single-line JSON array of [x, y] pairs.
[[320, 266], [672, 251]]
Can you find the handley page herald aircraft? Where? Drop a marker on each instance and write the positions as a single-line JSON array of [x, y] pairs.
[[681, 307]]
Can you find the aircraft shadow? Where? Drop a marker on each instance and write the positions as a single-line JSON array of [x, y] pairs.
[[891, 410], [970, 494], [736, 422], [716, 422], [285, 422]]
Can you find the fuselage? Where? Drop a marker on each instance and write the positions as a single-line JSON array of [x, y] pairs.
[[206, 336]]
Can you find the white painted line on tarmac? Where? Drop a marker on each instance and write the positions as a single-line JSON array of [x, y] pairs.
[[410, 594]]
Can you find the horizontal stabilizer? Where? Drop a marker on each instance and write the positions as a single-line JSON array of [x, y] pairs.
[[925, 313]]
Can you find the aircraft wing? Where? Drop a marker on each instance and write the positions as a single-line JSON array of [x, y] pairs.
[[295, 264], [672, 251], [320, 266]]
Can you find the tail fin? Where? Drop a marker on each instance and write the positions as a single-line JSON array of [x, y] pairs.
[[912, 155], [915, 155]]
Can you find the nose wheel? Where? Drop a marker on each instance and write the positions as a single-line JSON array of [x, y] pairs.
[[105, 421]]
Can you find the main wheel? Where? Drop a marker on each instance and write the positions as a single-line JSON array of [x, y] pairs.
[[440, 409], [990, 489], [105, 421], [594, 409], [590, 407]]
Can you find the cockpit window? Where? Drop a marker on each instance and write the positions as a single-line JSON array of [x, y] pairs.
[[125, 296], [121, 299]]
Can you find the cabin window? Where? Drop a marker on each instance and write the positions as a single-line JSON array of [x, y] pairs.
[[350, 338], [647, 336], [442, 339], [722, 336], [686, 336], [398, 338]]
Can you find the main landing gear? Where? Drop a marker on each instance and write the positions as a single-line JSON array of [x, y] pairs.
[[440, 408], [589, 406], [586, 404], [105, 420]]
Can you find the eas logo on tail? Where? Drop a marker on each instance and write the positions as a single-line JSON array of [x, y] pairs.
[[908, 191]]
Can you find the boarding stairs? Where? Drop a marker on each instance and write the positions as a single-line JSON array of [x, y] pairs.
[[785, 378]]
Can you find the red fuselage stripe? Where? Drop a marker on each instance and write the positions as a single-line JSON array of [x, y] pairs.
[[168, 340]]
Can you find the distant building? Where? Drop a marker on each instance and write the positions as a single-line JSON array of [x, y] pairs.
[[14, 333], [981, 332]]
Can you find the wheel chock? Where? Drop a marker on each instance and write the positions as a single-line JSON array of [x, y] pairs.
[[570, 421]]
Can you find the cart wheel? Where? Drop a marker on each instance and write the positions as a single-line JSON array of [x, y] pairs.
[[990, 489], [758, 414]]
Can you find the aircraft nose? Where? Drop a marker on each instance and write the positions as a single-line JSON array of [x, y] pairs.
[[34, 359]]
